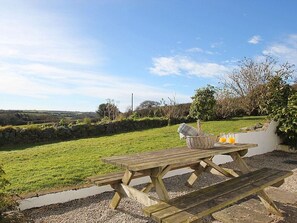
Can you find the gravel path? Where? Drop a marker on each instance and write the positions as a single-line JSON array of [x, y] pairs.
[[96, 208]]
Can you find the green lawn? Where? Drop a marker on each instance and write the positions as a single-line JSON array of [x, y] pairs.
[[32, 168]]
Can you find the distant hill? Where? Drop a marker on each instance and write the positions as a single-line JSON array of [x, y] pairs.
[[22, 117]]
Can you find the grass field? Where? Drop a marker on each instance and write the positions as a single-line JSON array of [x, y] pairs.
[[32, 168]]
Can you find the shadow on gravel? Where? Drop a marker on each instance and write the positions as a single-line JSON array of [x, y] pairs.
[[134, 215], [289, 212], [62, 208]]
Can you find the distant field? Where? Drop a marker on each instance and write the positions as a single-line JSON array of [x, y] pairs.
[[22, 117], [32, 168]]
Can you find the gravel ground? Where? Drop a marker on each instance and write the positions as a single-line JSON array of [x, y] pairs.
[[96, 208]]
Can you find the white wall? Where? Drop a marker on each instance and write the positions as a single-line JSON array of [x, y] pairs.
[[267, 141]]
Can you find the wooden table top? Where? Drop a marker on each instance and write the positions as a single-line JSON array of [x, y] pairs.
[[174, 156]]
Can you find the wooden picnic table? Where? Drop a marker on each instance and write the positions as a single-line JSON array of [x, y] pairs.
[[156, 164]]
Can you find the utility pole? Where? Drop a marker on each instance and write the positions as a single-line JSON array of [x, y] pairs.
[[132, 102]]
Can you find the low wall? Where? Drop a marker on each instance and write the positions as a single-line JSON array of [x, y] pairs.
[[267, 141]]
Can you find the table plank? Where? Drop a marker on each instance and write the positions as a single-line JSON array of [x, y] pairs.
[[189, 157], [165, 151], [141, 161]]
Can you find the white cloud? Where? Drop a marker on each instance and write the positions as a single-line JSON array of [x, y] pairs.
[[195, 50], [199, 50], [164, 66], [177, 65], [285, 51], [43, 82], [43, 56], [42, 37], [255, 39], [216, 44]]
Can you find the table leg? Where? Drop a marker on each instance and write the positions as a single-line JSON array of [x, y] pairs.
[[195, 175], [198, 169], [225, 172], [147, 188], [240, 162], [268, 203], [117, 196], [156, 177], [150, 186]]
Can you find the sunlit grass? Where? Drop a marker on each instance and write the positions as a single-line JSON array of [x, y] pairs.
[[36, 167]]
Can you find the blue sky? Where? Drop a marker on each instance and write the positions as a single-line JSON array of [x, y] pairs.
[[75, 54]]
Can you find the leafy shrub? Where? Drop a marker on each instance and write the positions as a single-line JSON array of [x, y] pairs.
[[203, 105], [87, 121], [287, 117], [41, 133], [5, 200], [277, 95]]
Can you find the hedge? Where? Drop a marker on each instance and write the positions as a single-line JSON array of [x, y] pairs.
[[34, 134]]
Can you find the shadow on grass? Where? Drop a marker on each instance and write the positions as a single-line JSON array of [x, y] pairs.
[[23, 146], [251, 118], [13, 147]]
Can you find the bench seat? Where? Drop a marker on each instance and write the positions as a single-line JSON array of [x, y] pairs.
[[116, 178], [195, 205], [110, 178]]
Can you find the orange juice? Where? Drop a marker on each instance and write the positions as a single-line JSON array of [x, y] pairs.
[[222, 139], [231, 140]]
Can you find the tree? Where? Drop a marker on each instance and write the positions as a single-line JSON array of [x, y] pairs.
[[170, 110], [148, 104], [249, 79], [109, 110], [227, 105], [203, 105]]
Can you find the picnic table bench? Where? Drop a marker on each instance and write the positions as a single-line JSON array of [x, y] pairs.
[[110, 178], [156, 164], [195, 205]]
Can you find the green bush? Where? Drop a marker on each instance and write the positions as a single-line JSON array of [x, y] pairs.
[[5, 200], [46, 133], [287, 117], [203, 105], [281, 105]]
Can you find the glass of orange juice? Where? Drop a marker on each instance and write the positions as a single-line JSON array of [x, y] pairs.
[[231, 138], [222, 138]]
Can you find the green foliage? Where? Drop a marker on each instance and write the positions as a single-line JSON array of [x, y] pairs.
[[287, 117], [277, 94], [148, 104], [87, 121], [31, 168], [248, 81], [5, 200], [170, 110], [108, 109], [281, 105], [64, 131], [203, 105], [23, 117]]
